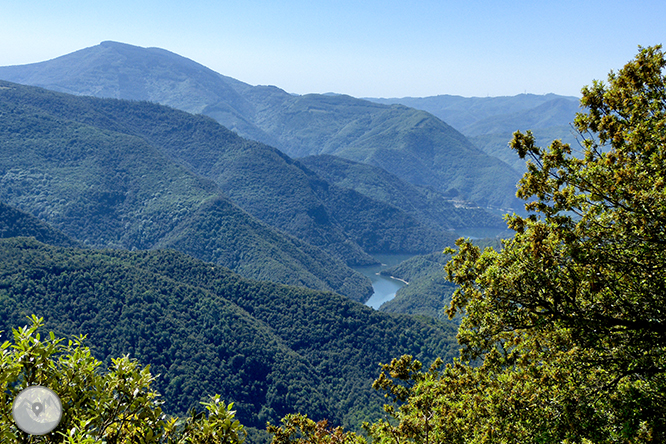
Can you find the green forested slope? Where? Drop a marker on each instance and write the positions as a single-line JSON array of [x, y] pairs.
[[412, 144], [14, 222], [425, 204], [122, 71], [105, 187], [215, 233], [271, 349]]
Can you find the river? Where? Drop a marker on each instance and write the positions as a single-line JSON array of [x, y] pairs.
[[385, 288]]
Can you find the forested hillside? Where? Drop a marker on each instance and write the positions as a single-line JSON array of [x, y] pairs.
[[279, 191], [14, 222], [270, 349], [111, 188], [414, 145], [426, 204], [262, 180], [562, 331]]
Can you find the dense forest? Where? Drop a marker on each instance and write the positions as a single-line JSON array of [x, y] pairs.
[[85, 166], [270, 349], [426, 205]]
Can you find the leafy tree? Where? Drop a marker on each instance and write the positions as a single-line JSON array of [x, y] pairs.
[[113, 406], [563, 338], [584, 282]]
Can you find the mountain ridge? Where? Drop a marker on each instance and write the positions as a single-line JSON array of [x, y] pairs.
[[489, 122], [14, 223], [461, 112], [414, 145], [426, 204]]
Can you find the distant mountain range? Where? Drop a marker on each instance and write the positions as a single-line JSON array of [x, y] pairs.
[[489, 122], [412, 144]]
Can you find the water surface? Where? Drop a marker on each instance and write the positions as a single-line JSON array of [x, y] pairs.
[[384, 286]]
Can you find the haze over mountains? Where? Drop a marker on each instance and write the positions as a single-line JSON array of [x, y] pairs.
[[412, 144], [489, 122]]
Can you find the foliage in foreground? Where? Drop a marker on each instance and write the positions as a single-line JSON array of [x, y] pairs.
[[115, 405], [564, 334]]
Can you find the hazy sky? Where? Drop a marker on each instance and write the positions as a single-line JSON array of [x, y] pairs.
[[365, 48]]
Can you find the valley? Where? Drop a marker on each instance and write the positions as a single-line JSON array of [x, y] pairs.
[[246, 249]]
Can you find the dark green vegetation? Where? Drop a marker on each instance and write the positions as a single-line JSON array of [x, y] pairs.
[[260, 179], [563, 332], [489, 122], [412, 144], [271, 349], [14, 223], [571, 310]]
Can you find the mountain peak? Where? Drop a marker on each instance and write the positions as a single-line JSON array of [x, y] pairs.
[[113, 43]]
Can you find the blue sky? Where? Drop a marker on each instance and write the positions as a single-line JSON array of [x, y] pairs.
[[363, 48]]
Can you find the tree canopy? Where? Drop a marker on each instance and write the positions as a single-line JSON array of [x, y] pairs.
[[589, 263]]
